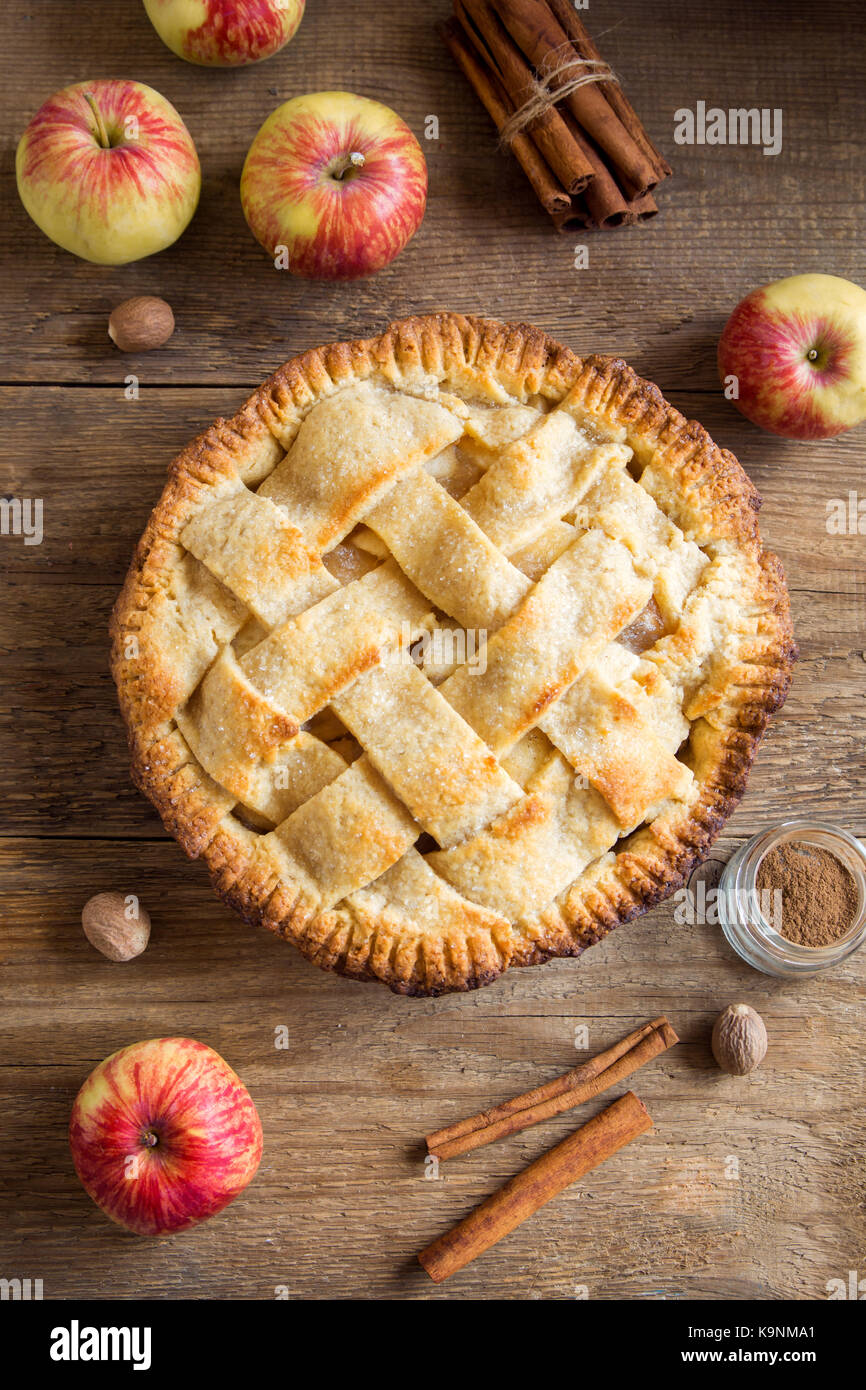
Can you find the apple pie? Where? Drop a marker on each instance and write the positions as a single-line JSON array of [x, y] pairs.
[[450, 651]]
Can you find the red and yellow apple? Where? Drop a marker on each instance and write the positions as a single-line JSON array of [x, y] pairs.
[[225, 33], [797, 349], [335, 182], [163, 1135], [108, 170]]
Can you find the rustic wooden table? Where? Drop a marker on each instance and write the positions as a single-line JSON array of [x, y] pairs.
[[341, 1203]]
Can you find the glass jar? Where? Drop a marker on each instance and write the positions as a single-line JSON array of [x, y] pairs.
[[746, 922]]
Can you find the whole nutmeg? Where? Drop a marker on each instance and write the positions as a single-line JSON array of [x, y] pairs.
[[140, 324], [739, 1039], [117, 926]]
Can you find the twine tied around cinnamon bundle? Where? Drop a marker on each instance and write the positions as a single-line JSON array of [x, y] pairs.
[[553, 85]]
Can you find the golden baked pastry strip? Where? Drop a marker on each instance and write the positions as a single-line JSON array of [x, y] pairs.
[[450, 559], [614, 743], [251, 748], [588, 595], [307, 662], [432, 758], [244, 719], [529, 855], [188, 620], [349, 451], [537, 479], [248, 543], [345, 836], [624, 510]]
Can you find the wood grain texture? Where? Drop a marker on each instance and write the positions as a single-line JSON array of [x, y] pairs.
[[341, 1203]]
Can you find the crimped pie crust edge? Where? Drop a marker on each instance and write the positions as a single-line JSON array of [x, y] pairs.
[[717, 506]]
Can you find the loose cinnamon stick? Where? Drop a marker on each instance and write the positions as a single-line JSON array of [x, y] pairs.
[[549, 131], [573, 26], [549, 1175], [538, 33], [550, 193], [563, 1093]]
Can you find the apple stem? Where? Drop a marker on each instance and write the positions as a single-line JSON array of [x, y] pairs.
[[101, 131], [352, 161], [149, 1139], [812, 354]]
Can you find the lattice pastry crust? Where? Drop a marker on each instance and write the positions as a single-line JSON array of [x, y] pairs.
[[449, 651]]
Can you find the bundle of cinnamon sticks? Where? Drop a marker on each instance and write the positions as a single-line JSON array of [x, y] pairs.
[[559, 108]]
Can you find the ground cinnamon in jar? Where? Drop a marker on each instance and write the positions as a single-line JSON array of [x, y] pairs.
[[818, 892]]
